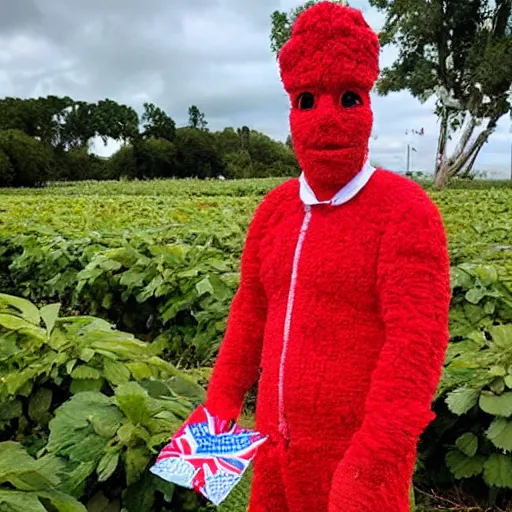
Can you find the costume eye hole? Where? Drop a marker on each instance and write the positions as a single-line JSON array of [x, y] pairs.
[[305, 101], [351, 99]]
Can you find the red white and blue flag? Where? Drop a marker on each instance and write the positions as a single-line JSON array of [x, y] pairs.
[[208, 454]]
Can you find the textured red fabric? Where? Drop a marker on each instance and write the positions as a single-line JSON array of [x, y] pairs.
[[369, 327], [332, 51]]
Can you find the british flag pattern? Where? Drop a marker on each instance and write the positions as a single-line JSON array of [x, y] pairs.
[[208, 454]]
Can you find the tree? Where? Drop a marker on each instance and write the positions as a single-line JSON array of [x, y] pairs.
[[196, 118], [460, 53], [122, 164], [198, 155], [115, 121], [282, 24], [41, 118], [155, 158], [157, 124], [29, 160], [245, 136]]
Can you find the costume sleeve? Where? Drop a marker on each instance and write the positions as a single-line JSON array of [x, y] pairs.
[[413, 286], [237, 365]]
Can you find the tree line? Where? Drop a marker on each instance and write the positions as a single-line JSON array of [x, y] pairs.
[[49, 139]]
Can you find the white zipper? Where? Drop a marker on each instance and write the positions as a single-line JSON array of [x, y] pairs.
[[283, 426]]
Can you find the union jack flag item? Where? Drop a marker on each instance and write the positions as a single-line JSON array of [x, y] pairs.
[[208, 455]]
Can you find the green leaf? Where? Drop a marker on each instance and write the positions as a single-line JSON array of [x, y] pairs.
[[204, 287], [107, 466], [132, 399], [39, 405], [467, 444], [486, 274], [27, 474], [126, 433], [81, 426], [139, 370], [13, 501], [8, 348], [497, 385], [115, 372], [84, 385], [15, 323], [87, 354], [63, 502], [21, 307], [500, 433], [497, 371], [508, 381], [475, 295], [49, 314], [497, 405], [501, 335], [463, 466], [498, 471], [462, 400], [136, 460], [70, 365], [85, 373]]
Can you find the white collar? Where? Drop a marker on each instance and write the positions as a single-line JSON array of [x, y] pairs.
[[345, 194]]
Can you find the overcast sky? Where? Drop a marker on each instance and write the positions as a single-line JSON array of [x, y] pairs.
[[175, 53]]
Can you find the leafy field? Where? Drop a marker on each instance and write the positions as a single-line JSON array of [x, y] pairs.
[[160, 260]]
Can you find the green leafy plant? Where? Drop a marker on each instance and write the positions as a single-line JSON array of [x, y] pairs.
[[69, 353], [97, 434], [472, 434], [28, 485], [94, 401]]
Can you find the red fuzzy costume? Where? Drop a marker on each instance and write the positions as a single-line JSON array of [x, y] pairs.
[[343, 307]]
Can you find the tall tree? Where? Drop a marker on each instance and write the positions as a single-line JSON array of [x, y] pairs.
[[245, 135], [115, 121], [460, 53], [196, 118], [157, 124]]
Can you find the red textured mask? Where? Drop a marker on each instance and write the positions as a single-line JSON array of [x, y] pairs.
[[328, 68]]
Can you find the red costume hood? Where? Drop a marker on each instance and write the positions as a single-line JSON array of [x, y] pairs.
[[328, 68]]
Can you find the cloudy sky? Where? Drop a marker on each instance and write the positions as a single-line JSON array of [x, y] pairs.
[[175, 53]]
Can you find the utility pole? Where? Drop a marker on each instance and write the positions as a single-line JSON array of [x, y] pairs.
[[410, 148]]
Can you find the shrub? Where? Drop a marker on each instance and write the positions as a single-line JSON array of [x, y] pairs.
[[30, 159], [80, 165], [6, 170], [198, 155], [471, 439], [92, 404], [122, 164], [155, 158]]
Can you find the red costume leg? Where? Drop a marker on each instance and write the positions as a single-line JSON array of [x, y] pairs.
[[308, 469], [268, 490]]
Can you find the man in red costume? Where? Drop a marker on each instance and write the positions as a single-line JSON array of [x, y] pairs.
[[344, 296]]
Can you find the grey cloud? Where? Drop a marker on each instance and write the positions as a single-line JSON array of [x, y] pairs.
[[18, 15], [212, 53]]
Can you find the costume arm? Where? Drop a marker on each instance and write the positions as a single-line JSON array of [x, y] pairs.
[[237, 365], [414, 293]]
